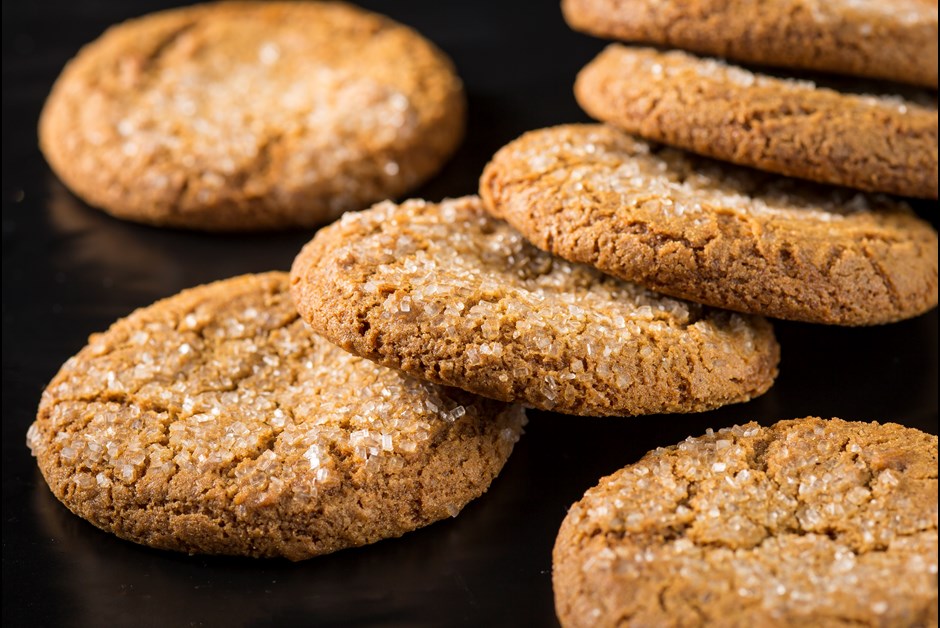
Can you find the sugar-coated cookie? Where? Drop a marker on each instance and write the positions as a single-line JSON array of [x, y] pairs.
[[251, 115], [215, 422], [797, 128], [712, 232], [806, 523], [894, 40], [445, 292]]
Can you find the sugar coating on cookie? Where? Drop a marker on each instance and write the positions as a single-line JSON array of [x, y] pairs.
[[894, 40], [449, 294], [251, 115], [792, 127], [711, 232], [807, 522], [215, 422]]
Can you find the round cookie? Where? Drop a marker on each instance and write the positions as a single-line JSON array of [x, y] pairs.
[[876, 144], [712, 232], [215, 422], [805, 523], [449, 294], [894, 40], [251, 115]]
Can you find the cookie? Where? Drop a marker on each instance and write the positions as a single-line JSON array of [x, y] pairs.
[[712, 232], [806, 523], [449, 294], [876, 144], [215, 422], [251, 115], [887, 40]]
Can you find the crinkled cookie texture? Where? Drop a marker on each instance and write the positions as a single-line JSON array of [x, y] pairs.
[[215, 422], [894, 40], [806, 523], [251, 115], [449, 294], [877, 144], [712, 232]]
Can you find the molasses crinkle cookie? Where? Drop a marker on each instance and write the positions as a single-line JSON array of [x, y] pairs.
[[712, 232], [894, 40], [215, 422], [806, 523], [251, 115], [447, 293], [797, 128]]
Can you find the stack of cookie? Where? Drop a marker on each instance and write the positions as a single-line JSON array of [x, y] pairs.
[[380, 386], [781, 525], [730, 236], [794, 127]]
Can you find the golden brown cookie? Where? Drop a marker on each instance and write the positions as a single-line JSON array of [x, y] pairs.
[[877, 144], [251, 115], [894, 40], [449, 294], [806, 523], [712, 232], [215, 422]]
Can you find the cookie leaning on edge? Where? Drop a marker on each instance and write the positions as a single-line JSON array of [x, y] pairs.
[[215, 422], [251, 115], [711, 232], [449, 294], [877, 144], [807, 522], [888, 40]]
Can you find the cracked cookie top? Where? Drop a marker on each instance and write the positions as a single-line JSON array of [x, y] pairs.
[[251, 115], [797, 128], [807, 522], [712, 232], [215, 421], [448, 293]]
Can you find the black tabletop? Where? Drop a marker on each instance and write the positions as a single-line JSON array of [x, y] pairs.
[[69, 270]]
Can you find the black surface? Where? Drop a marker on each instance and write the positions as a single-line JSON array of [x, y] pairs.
[[69, 270]]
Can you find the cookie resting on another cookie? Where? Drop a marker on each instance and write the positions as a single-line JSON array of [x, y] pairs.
[[797, 128], [449, 294], [237, 116], [894, 40], [805, 523], [712, 232], [215, 422]]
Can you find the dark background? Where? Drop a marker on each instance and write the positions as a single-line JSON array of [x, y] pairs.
[[69, 270]]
